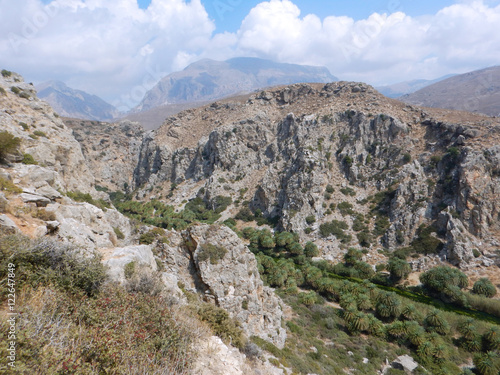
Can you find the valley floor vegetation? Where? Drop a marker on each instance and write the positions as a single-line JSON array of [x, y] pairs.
[[346, 315], [350, 316]]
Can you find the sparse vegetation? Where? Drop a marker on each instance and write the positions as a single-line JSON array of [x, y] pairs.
[[211, 252]]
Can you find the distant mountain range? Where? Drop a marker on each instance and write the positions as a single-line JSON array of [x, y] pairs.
[[208, 80], [407, 87], [73, 103], [477, 91]]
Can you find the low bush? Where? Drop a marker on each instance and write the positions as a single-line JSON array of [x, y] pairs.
[[8, 144], [9, 187], [28, 159], [222, 325], [45, 215], [46, 262], [211, 252]]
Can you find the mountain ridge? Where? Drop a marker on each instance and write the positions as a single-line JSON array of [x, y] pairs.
[[211, 80], [74, 103], [476, 91]]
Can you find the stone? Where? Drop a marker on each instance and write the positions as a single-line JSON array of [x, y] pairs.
[[8, 225], [117, 258], [48, 192], [405, 363], [52, 225], [39, 200]]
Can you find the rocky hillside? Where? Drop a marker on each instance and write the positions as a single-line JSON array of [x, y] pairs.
[[477, 91], [113, 150], [337, 171], [52, 197], [309, 155], [75, 103], [208, 80]]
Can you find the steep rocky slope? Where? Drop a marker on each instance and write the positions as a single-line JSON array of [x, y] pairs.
[[308, 154], [112, 149], [477, 91]]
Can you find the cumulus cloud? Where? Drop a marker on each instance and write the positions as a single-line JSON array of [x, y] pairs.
[[111, 47], [116, 50], [383, 47]]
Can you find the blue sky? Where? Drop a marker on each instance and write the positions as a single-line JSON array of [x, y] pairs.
[[118, 49]]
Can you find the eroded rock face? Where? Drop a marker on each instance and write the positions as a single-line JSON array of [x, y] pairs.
[[281, 149], [111, 150], [232, 278]]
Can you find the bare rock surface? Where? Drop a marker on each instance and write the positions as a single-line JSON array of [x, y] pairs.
[[232, 278]]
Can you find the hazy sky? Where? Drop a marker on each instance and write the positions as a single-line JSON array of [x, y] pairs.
[[118, 49]]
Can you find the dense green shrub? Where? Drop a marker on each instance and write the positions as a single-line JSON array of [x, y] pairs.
[[345, 208], [6, 73], [336, 228], [484, 287], [8, 144], [426, 243], [311, 250], [310, 219]]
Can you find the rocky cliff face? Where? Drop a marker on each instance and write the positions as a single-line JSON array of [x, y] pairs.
[[338, 151], [111, 150]]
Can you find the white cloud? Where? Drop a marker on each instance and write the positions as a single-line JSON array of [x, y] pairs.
[[116, 50], [105, 47], [381, 48]]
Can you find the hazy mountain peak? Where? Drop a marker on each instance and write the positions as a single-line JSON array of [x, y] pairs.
[[70, 102], [208, 79]]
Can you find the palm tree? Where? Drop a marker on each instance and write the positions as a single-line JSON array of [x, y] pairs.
[[435, 321], [425, 350], [487, 363], [358, 322], [440, 353], [410, 312], [399, 269], [492, 338], [397, 329], [347, 301], [467, 329], [375, 326], [416, 333], [484, 287], [364, 302], [389, 305]]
